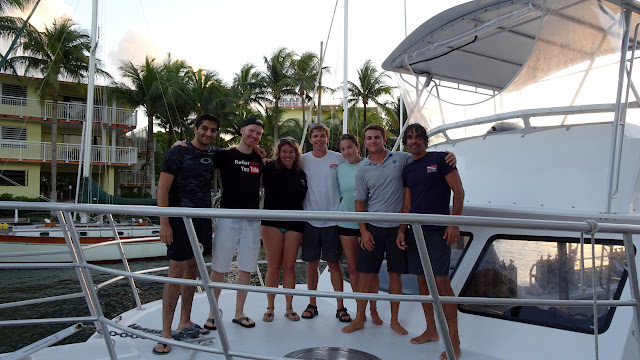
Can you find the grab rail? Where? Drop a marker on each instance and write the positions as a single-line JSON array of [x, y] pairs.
[[90, 291]]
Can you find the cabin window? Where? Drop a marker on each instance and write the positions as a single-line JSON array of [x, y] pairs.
[[44, 233], [13, 178], [83, 233], [120, 233], [14, 95], [547, 268]]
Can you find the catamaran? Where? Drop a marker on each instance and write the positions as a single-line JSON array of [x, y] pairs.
[[548, 152]]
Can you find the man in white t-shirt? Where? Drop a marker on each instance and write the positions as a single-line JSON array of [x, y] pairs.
[[321, 237]]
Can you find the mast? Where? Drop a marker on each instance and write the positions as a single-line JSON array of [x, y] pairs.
[[345, 78], [86, 166]]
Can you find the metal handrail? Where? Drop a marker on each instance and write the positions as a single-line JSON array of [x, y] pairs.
[[83, 268]]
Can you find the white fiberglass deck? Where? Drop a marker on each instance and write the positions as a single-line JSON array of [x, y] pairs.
[[277, 338]]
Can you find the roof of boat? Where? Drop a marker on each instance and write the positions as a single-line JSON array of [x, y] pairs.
[[485, 43]]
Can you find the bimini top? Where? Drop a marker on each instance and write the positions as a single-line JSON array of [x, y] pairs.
[[486, 43]]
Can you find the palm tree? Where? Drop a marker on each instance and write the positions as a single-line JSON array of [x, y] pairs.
[[177, 104], [59, 52], [146, 91], [370, 87], [305, 72], [246, 87], [277, 80]]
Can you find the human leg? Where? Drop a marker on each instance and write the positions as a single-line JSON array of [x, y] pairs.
[[365, 285], [350, 249], [373, 305], [215, 277], [244, 278], [186, 292], [170, 295], [292, 240], [273, 241], [431, 333], [443, 284], [395, 287], [311, 255]]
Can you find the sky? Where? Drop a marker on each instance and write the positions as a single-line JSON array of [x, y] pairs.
[[224, 35]]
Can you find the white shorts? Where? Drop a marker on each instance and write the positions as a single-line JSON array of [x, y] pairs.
[[232, 234]]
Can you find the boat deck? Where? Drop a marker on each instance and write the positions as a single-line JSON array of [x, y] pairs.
[[277, 338]]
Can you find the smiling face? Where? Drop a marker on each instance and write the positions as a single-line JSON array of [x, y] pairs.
[[349, 151], [374, 141], [251, 135], [415, 143], [205, 133], [287, 155], [319, 139]]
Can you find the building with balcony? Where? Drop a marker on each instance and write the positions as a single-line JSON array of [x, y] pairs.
[[25, 138]]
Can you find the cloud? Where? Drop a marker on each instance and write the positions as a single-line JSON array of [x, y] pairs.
[[46, 12], [133, 46]]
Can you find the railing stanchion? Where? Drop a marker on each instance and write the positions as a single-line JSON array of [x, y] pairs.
[[125, 262], [632, 271], [84, 277], [204, 276], [441, 321]]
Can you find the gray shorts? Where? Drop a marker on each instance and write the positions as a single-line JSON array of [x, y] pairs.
[[321, 242], [439, 252]]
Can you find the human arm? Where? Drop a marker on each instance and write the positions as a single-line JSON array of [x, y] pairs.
[[452, 234], [366, 239], [406, 207], [164, 184]]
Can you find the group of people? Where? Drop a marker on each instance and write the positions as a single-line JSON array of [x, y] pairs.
[[319, 180]]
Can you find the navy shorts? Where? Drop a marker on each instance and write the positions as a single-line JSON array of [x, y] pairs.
[[180, 248], [320, 242], [439, 252], [385, 243]]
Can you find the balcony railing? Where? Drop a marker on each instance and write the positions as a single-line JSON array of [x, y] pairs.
[[132, 178], [24, 107], [41, 151]]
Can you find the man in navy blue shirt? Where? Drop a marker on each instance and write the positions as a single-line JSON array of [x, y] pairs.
[[185, 181], [428, 182]]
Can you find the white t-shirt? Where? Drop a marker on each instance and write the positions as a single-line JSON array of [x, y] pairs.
[[322, 184]]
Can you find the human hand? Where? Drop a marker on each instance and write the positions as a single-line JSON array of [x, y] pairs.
[[260, 151], [179, 143], [366, 241], [452, 234], [400, 241], [450, 159], [166, 233]]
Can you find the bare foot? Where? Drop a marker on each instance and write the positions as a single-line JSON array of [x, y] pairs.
[[398, 328], [456, 351], [356, 324], [427, 336], [376, 318]]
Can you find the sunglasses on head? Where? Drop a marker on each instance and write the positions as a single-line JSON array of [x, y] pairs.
[[315, 124], [285, 140]]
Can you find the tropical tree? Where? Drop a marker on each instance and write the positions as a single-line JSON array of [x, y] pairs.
[[246, 87], [177, 103], [59, 52], [370, 86], [277, 81], [305, 72], [145, 91]]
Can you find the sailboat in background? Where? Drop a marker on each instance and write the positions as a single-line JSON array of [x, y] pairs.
[[46, 242]]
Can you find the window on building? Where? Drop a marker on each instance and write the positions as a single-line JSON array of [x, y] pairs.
[[13, 178], [13, 133], [14, 95]]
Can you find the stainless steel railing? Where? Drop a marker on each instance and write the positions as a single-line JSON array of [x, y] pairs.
[[89, 291]]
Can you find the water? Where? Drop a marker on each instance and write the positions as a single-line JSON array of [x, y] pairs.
[[17, 285]]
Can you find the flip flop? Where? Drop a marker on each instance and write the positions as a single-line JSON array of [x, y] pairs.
[[213, 324], [239, 321], [164, 347]]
